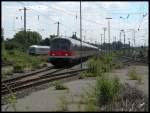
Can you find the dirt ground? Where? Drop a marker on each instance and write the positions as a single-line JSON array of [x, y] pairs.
[[50, 99]]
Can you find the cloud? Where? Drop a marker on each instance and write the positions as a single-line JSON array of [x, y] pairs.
[[115, 5], [39, 7]]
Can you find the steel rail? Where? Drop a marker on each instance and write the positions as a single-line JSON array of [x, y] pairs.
[[43, 80], [30, 78], [27, 74]]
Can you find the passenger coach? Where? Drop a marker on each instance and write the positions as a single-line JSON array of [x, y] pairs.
[[39, 50], [68, 51]]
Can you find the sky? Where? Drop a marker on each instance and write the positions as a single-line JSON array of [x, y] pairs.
[[42, 17]]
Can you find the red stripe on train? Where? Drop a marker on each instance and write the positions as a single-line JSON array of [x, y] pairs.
[[61, 53]]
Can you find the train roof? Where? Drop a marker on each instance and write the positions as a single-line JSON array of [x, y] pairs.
[[38, 46], [76, 42]]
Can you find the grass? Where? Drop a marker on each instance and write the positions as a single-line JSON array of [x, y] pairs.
[[134, 75], [107, 89], [22, 60], [118, 65], [86, 74], [106, 92], [82, 75], [91, 102], [59, 86], [7, 71], [12, 100], [63, 105], [18, 68], [140, 80], [100, 64]]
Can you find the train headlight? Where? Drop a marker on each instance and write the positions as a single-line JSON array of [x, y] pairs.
[[53, 54], [66, 54]]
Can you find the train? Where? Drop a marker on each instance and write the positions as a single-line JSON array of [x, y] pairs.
[[67, 51], [38, 50]]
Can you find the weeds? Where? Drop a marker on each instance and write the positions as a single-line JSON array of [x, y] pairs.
[[22, 59], [134, 75], [91, 101], [18, 68], [63, 104], [12, 100], [118, 65], [93, 66], [140, 80], [82, 75], [59, 86], [8, 71], [107, 89], [79, 106], [99, 65]]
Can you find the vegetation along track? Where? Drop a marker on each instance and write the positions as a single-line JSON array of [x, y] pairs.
[[35, 79]]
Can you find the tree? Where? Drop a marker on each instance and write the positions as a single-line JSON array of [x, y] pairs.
[[19, 41], [52, 36], [2, 35], [2, 39], [45, 42]]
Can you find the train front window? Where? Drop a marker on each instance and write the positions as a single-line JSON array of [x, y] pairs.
[[32, 49], [60, 44]]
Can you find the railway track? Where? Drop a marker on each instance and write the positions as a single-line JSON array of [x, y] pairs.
[[27, 74], [130, 60], [36, 78]]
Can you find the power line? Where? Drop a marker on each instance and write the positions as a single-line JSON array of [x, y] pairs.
[[38, 12], [42, 14], [69, 13], [46, 16], [92, 21]]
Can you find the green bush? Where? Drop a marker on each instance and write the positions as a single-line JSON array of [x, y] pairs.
[[107, 89]]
